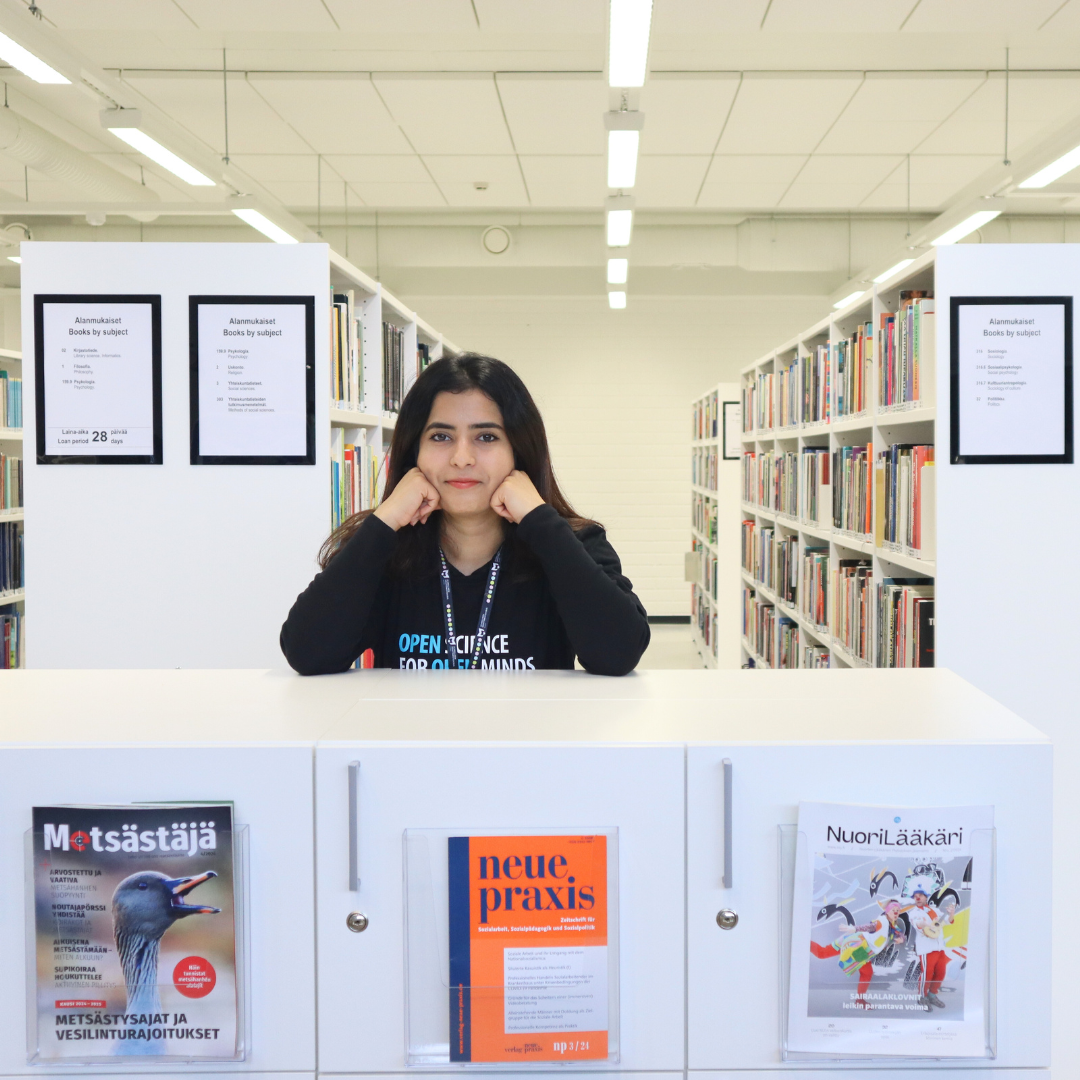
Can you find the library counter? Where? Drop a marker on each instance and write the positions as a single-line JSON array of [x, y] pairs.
[[346, 782]]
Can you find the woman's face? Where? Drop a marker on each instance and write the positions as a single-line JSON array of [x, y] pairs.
[[464, 451]]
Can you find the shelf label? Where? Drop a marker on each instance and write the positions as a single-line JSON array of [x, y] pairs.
[[1011, 380], [253, 380], [98, 366]]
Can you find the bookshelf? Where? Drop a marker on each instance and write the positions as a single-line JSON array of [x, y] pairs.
[[12, 600], [837, 528], [374, 361]]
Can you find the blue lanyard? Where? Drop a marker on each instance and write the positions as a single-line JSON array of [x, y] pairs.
[[485, 610]]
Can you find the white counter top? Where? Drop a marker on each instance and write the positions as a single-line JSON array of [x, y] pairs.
[[49, 707]]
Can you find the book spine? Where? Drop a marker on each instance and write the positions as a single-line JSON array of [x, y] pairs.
[[460, 949]]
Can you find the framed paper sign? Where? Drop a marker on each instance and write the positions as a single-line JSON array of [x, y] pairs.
[[1011, 378], [97, 394], [252, 380], [732, 433]]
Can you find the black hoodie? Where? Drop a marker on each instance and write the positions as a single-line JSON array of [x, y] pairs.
[[575, 601]]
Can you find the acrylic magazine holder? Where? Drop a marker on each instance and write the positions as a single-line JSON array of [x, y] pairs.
[[174, 995], [901, 969], [567, 984]]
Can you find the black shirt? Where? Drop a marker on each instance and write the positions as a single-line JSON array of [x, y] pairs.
[[575, 601]]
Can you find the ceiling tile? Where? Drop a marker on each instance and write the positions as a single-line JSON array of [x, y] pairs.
[[847, 16], [774, 114], [713, 17], [838, 182], [457, 175], [379, 168], [979, 16], [125, 15], [685, 115], [892, 114], [542, 16], [378, 195], [749, 181], [934, 180], [334, 114], [447, 115], [290, 16], [669, 181], [273, 167], [196, 103], [563, 115], [403, 16], [566, 181]]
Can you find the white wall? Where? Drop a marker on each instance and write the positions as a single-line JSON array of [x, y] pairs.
[[615, 388], [1006, 552], [170, 565]]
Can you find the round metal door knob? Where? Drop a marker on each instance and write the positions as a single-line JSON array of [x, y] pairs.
[[356, 921], [727, 919]]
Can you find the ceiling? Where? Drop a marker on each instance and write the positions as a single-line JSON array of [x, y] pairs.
[[756, 106]]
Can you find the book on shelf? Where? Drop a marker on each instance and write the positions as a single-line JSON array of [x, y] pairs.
[[393, 370], [817, 386], [11, 557], [11, 482], [354, 477], [703, 467], [814, 585], [899, 473], [853, 364], [852, 489], [10, 400], [707, 567], [704, 616], [785, 572], [11, 638], [815, 492], [788, 655], [705, 517], [905, 618], [346, 354], [906, 352], [706, 418], [851, 607], [816, 656], [788, 395]]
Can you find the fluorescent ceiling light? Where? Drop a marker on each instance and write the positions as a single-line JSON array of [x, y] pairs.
[[1055, 169], [265, 226], [617, 269], [885, 275], [622, 149], [966, 227], [15, 258], [142, 142], [848, 299], [620, 223], [18, 57], [616, 300], [628, 46]]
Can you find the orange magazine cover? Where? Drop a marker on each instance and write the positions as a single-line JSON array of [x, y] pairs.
[[528, 948]]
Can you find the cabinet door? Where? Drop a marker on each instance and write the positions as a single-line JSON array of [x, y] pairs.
[[271, 791], [556, 788], [733, 980]]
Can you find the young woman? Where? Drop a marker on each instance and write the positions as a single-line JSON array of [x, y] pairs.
[[474, 558]]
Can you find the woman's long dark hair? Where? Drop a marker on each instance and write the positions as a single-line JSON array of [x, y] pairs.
[[524, 428]]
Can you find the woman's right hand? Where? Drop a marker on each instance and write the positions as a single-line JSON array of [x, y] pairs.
[[412, 502]]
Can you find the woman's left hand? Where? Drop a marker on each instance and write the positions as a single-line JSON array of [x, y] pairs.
[[515, 497]]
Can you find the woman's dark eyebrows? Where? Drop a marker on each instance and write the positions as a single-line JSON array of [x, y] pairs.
[[472, 427], [486, 424]]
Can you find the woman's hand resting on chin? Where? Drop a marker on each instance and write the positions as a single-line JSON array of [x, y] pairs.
[[515, 497], [412, 502]]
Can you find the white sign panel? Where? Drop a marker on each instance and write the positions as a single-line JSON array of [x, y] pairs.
[[98, 361], [253, 381], [1011, 380]]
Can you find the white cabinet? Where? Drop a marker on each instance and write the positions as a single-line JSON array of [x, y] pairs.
[[271, 790], [734, 1015], [561, 788]]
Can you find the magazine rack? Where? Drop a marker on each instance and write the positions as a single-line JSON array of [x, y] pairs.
[[791, 842], [429, 1000], [198, 977]]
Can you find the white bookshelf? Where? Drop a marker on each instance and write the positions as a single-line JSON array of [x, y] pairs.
[[11, 443], [876, 425]]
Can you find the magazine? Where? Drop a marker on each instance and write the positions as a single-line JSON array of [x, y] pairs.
[[890, 930], [528, 948], [134, 950]]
